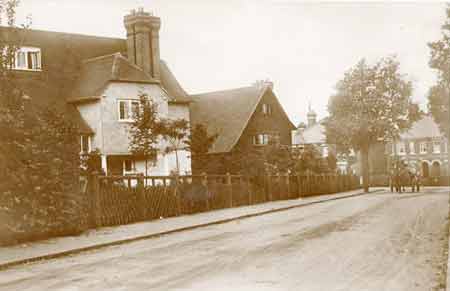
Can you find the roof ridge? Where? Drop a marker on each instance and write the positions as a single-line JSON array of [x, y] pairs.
[[100, 57], [65, 33], [223, 91]]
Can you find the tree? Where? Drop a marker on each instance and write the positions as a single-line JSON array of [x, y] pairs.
[[175, 132], [307, 160], [145, 130], [439, 94], [372, 104], [199, 143]]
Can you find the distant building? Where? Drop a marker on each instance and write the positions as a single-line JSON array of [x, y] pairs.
[[314, 133], [425, 148]]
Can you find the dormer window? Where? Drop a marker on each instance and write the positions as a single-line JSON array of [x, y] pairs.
[[266, 109], [28, 59]]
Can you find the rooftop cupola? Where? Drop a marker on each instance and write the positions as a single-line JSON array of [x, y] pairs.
[[312, 116], [143, 40]]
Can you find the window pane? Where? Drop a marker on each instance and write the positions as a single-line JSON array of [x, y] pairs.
[[34, 60], [134, 108], [21, 60], [84, 143], [123, 110], [128, 165]]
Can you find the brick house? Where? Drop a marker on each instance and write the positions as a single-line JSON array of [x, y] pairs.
[[244, 118], [97, 81], [425, 148]]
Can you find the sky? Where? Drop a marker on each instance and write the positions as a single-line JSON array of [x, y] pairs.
[[304, 48]]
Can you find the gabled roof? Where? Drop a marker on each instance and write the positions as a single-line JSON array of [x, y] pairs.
[[423, 128], [226, 113], [97, 72]]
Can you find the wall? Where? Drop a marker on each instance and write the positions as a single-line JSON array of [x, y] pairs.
[[178, 111], [115, 133], [91, 113], [260, 123]]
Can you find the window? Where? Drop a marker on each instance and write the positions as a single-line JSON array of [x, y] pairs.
[[325, 152], [127, 109], [445, 145], [436, 147], [412, 149], [266, 138], [401, 148], [261, 139], [129, 166], [423, 148], [28, 58], [85, 142], [266, 109]]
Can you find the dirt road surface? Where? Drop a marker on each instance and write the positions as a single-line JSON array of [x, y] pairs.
[[374, 242]]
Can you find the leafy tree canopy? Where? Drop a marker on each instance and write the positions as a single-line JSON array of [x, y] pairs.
[[439, 94], [372, 104]]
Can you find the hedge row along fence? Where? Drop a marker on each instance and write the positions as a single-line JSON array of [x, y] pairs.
[[116, 200]]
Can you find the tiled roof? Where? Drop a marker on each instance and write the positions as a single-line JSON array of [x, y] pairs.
[[97, 72], [423, 128], [225, 113], [76, 118], [171, 85]]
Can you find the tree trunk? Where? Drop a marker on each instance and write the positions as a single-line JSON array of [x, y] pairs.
[[365, 167], [146, 172], [178, 162]]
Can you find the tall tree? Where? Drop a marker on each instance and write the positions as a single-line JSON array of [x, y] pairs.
[[199, 143], [372, 104], [145, 130], [439, 94]]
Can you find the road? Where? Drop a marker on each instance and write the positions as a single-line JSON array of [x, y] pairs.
[[379, 241]]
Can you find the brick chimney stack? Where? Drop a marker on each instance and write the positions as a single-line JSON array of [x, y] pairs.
[[143, 40]]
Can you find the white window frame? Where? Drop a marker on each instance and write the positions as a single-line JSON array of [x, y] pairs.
[[129, 109], [325, 151], [35, 66], [133, 166], [423, 147], [89, 144], [261, 139], [412, 149], [401, 146], [436, 147], [266, 109]]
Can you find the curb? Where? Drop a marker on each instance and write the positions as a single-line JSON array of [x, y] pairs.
[[163, 233]]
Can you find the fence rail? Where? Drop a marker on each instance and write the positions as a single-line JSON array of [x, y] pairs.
[[116, 200]]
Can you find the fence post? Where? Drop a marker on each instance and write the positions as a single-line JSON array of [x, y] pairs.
[[249, 190], [269, 187], [205, 184], [95, 206], [299, 185], [230, 189], [141, 196], [288, 188]]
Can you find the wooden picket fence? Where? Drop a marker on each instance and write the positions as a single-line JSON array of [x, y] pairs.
[[116, 200]]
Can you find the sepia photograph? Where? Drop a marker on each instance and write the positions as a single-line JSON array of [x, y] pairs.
[[274, 145]]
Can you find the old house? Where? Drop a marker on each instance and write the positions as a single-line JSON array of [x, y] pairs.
[[97, 82], [425, 148], [245, 119]]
